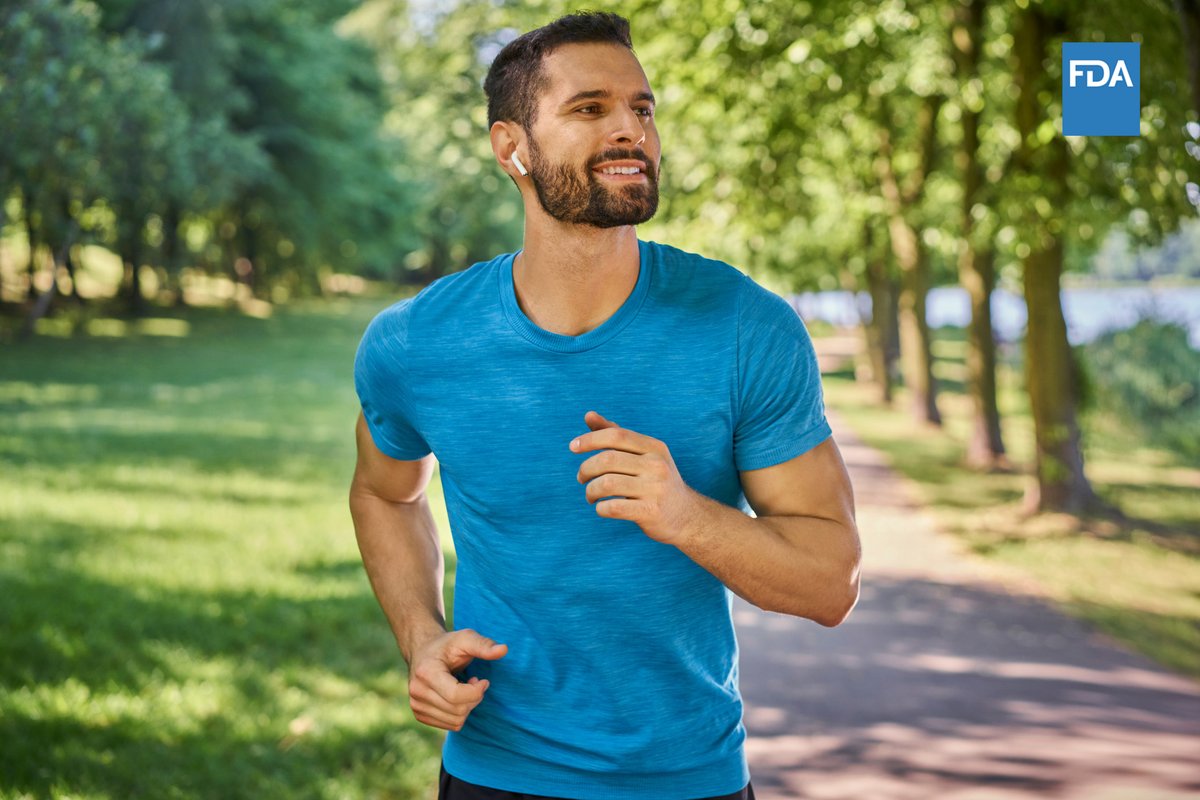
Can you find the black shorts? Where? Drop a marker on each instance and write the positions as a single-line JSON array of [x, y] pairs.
[[451, 788]]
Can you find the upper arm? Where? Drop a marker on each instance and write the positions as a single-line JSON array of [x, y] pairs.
[[808, 501], [812, 484], [391, 479]]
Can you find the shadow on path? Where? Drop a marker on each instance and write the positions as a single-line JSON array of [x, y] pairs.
[[943, 684]]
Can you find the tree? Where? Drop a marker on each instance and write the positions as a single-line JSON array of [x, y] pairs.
[[976, 261]]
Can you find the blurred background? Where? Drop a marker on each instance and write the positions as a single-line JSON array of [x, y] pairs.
[[202, 204]]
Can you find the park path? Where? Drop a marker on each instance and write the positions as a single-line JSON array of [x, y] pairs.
[[944, 684]]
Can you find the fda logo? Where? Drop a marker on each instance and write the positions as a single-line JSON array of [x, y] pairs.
[[1101, 89]]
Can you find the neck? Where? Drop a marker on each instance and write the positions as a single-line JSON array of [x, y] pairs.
[[569, 278]]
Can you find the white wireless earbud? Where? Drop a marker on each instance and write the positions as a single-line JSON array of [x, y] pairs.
[[520, 167]]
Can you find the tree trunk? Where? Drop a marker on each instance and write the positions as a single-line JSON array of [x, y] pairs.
[[3, 223], [976, 270], [916, 357], [47, 297], [985, 449], [1059, 481], [892, 323], [69, 263], [31, 237], [878, 330], [131, 253], [1189, 20], [245, 266], [172, 253], [916, 352]]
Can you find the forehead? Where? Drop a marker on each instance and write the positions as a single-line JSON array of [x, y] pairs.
[[575, 68]]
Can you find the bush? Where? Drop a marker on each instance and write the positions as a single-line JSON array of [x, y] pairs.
[[1149, 377]]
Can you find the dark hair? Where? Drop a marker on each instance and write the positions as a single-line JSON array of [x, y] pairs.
[[516, 76]]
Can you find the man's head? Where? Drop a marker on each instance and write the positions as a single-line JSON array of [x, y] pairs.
[[572, 100]]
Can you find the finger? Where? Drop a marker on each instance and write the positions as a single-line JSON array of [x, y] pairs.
[[619, 509], [609, 461], [433, 699], [429, 715], [614, 439], [466, 645], [610, 485], [596, 421], [448, 694]]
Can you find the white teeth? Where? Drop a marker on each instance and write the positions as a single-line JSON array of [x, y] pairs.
[[620, 170]]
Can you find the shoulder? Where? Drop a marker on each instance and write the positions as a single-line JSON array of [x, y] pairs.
[[448, 294], [758, 304], [685, 279], [682, 265]]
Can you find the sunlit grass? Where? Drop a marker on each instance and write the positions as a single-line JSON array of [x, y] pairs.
[[185, 611], [1137, 579]]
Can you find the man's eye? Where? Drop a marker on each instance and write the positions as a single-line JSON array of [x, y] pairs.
[[589, 109], [646, 112]]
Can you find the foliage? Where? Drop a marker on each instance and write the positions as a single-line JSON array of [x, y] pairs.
[[463, 208], [1149, 375], [248, 128]]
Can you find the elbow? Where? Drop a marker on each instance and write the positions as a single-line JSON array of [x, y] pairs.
[[839, 612], [842, 591]]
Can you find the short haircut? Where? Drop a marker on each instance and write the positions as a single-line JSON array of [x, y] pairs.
[[516, 76]]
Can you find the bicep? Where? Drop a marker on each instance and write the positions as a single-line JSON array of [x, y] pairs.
[[813, 484], [385, 477]]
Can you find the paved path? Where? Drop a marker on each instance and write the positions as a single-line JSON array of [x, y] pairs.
[[942, 684]]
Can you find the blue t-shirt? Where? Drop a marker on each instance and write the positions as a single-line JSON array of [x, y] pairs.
[[621, 677]]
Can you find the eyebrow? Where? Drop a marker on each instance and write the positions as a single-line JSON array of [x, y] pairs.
[[591, 94]]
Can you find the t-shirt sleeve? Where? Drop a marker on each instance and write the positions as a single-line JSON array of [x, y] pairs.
[[781, 407], [381, 381]]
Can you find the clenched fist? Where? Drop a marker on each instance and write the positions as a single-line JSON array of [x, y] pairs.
[[639, 474], [434, 693]]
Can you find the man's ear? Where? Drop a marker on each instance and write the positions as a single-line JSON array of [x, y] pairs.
[[507, 138]]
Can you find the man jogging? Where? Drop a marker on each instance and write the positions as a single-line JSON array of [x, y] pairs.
[[603, 410]]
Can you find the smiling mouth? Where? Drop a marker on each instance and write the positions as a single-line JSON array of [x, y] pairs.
[[620, 171]]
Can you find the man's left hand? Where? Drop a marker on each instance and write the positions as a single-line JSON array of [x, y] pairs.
[[637, 471]]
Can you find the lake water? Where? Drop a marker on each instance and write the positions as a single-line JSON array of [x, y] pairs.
[[1089, 312]]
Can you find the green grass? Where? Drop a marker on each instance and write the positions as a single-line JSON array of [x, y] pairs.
[[1136, 579], [185, 613]]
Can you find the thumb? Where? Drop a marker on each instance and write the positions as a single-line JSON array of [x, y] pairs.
[[596, 421], [477, 645]]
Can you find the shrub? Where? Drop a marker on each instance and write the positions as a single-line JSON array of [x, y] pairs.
[[1149, 377]]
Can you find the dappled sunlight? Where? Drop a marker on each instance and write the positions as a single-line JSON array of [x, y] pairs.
[[932, 688], [958, 677], [46, 394], [150, 326], [1119, 678]]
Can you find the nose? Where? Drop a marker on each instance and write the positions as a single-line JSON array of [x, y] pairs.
[[630, 129]]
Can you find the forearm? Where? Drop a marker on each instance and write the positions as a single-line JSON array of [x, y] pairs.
[[403, 559], [803, 566]]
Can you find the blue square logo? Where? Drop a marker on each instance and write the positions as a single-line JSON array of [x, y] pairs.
[[1101, 89]]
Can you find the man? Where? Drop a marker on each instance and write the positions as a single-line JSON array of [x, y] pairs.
[[594, 654]]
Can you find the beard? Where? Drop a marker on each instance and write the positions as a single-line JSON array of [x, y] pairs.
[[584, 199]]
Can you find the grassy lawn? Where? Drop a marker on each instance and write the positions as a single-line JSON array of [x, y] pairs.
[[185, 613], [1138, 580]]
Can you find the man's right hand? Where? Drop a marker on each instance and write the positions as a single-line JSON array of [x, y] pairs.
[[434, 693]]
